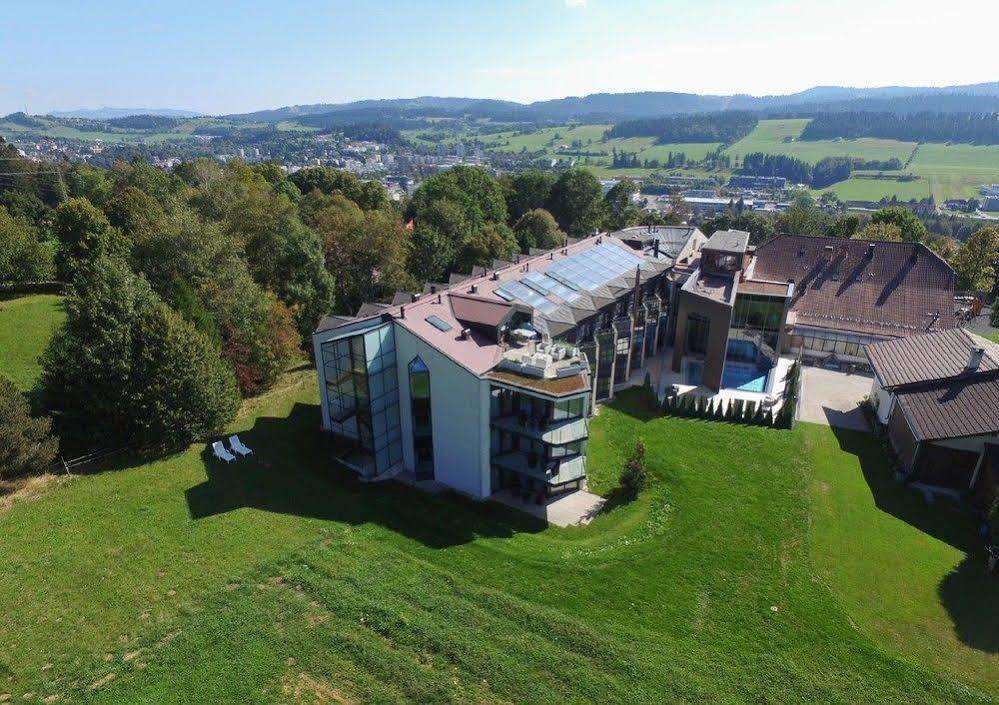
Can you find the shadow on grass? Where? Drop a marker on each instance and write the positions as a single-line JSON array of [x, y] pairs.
[[970, 596], [941, 520], [293, 471], [972, 599], [636, 402]]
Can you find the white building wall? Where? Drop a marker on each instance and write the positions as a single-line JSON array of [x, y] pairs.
[[459, 414], [882, 401]]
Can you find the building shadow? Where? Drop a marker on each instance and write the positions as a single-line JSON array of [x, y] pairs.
[[970, 596], [972, 599], [293, 471], [851, 420], [637, 402], [940, 519]]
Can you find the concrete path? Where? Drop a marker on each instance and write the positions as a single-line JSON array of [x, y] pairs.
[[830, 398], [574, 508]]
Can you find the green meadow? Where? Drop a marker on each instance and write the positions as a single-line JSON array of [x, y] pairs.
[[26, 324], [760, 565]]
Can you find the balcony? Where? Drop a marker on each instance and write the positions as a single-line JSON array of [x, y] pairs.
[[551, 472], [546, 431]]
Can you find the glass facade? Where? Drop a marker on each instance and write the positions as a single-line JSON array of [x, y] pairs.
[[363, 396], [755, 329], [825, 343], [423, 427]]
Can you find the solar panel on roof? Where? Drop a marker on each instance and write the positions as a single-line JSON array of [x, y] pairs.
[[438, 323], [504, 295]]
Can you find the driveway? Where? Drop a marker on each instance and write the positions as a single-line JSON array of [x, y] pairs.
[[831, 398]]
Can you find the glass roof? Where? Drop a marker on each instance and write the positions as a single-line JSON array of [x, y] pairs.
[[594, 267], [564, 279]]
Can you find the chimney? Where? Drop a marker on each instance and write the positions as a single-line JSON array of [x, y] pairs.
[[433, 289], [438, 298], [474, 288], [655, 247], [402, 312], [870, 251], [464, 334], [414, 298], [975, 359]]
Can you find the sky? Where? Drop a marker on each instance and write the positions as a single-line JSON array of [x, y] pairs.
[[226, 57]]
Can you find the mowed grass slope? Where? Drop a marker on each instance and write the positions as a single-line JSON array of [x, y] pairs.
[[26, 325], [281, 579]]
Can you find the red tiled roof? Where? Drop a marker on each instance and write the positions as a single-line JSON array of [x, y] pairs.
[[897, 290]]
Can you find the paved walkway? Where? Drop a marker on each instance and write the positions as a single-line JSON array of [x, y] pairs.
[[830, 398], [577, 507]]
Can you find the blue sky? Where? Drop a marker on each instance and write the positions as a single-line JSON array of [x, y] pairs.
[[237, 56]]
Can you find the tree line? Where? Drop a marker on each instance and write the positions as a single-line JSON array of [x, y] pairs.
[[976, 128], [725, 127], [825, 172]]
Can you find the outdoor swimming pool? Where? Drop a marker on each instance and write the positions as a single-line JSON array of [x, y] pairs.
[[737, 375], [744, 377]]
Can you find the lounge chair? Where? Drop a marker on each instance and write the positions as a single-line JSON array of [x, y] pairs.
[[238, 447], [221, 453]]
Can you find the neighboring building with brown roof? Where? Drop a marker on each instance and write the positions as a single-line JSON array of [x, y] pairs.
[[848, 293], [938, 395]]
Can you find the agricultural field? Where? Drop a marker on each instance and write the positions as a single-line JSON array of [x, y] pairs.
[[865, 187], [26, 325], [760, 565], [956, 170], [781, 137]]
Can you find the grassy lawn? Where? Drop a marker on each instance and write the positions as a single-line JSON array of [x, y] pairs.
[[283, 579], [26, 324]]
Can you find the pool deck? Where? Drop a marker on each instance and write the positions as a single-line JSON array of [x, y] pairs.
[[663, 379]]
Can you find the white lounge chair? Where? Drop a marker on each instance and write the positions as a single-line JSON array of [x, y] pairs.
[[238, 447], [221, 453]]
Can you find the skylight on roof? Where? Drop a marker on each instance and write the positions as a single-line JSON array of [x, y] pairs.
[[438, 323]]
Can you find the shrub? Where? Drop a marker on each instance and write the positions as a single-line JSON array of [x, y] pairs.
[[26, 447], [634, 476]]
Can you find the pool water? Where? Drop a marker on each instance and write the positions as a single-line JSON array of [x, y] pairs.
[[737, 375], [746, 378]]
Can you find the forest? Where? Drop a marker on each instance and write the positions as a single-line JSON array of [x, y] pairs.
[[974, 128], [726, 127]]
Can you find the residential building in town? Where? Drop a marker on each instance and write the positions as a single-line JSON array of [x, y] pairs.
[[487, 382], [938, 396]]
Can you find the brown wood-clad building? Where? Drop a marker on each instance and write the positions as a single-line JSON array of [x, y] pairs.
[[938, 395]]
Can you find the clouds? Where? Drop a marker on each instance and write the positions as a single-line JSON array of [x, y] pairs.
[[576, 3]]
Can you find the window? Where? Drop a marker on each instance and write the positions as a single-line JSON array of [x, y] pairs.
[[422, 418], [698, 328], [438, 323]]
